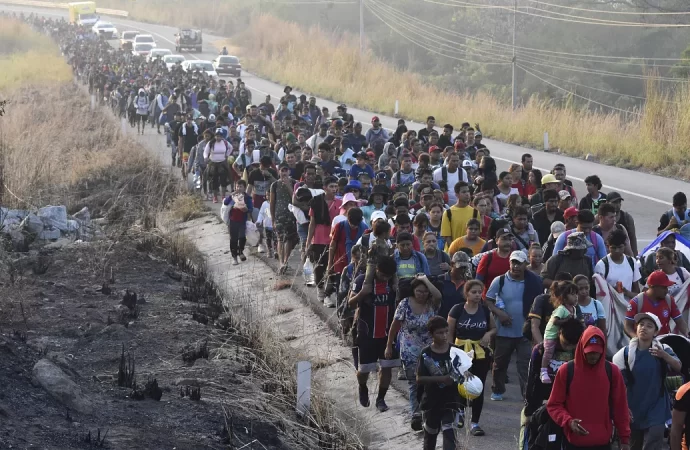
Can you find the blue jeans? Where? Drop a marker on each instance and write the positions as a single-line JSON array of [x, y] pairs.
[[302, 231], [411, 373]]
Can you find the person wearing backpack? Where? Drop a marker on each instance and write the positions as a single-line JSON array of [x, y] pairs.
[[606, 216], [668, 241], [655, 299], [644, 363], [571, 259], [618, 269], [596, 249], [588, 397]]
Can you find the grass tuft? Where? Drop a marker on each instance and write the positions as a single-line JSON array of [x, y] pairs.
[[187, 207]]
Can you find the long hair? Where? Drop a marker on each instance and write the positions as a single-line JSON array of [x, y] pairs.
[[319, 205]]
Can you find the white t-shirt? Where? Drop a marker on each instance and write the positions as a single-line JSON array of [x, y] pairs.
[[503, 198], [677, 281], [619, 272], [452, 180], [592, 312]]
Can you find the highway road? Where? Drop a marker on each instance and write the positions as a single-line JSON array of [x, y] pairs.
[[646, 196]]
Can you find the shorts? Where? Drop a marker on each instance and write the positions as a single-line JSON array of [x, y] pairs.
[[371, 354], [286, 232]]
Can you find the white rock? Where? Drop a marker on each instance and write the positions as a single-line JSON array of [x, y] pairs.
[[59, 385]]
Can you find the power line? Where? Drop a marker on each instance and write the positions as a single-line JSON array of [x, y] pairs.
[[572, 19], [537, 50], [426, 47], [413, 21], [600, 11], [578, 95], [596, 89]]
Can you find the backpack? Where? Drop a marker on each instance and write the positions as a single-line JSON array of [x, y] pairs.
[[527, 325], [640, 299], [631, 377], [631, 261], [349, 243]]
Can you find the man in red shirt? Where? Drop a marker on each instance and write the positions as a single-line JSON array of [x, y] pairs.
[[655, 299], [496, 262], [344, 236]]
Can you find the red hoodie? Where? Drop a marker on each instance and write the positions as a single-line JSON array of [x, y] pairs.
[[588, 398]]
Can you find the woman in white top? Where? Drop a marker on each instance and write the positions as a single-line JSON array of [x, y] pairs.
[[505, 190], [667, 260], [216, 154]]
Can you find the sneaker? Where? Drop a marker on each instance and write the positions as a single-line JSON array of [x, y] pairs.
[[461, 420], [477, 430], [496, 397], [242, 257], [261, 248], [328, 302], [215, 199], [417, 424], [402, 375], [381, 405], [235, 261], [364, 396]]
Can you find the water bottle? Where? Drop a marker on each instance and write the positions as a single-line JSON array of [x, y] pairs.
[[308, 272], [500, 304]]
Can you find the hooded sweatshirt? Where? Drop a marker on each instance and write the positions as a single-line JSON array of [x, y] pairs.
[[589, 398]]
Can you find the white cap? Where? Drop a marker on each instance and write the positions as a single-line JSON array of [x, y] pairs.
[[651, 316], [518, 255], [378, 215]]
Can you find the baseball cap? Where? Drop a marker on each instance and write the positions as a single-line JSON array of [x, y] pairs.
[[503, 231], [361, 154], [557, 228], [427, 191], [434, 148], [518, 255], [594, 345], [378, 215], [354, 184], [375, 119], [651, 316], [613, 197], [467, 163], [381, 175], [659, 278], [371, 154], [570, 212], [564, 194], [549, 178], [212, 117], [460, 259]]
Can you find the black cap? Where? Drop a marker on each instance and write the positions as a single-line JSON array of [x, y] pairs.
[[613, 197]]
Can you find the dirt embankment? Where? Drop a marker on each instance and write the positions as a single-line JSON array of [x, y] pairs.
[[122, 341]]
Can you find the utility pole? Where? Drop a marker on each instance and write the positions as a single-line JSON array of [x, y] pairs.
[[361, 27], [514, 102]]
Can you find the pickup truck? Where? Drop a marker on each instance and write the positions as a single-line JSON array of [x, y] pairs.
[[189, 39]]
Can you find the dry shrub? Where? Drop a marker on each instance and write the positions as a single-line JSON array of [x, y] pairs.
[[16, 36], [276, 49], [187, 207]]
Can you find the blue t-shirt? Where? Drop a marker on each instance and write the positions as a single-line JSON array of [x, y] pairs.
[[356, 170], [648, 406], [511, 294]]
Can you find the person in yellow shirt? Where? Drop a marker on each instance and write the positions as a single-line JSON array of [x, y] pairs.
[[454, 221], [470, 240]]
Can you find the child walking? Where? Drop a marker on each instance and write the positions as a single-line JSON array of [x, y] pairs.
[[564, 301], [241, 208], [264, 218]]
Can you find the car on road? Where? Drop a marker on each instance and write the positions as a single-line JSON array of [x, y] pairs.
[[187, 38], [144, 39], [171, 60], [158, 53], [202, 65], [142, 49], [106, 29], [228, 64], [127, 37]]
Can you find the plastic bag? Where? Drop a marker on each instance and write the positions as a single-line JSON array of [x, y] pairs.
[[308, 273], [252, 234], [225, 213]]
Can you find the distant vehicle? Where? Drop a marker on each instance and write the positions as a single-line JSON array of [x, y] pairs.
[[204, 66], [82, 13], [144, 39], [190, 39], [158, 53], [228, 64], [171, 60], [142, 49], [106, 29], [128, 36]]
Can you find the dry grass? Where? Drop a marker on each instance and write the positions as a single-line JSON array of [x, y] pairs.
[[657, 140], [187, 207]]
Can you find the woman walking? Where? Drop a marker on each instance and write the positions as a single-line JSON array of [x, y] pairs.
[[410, 320], [142, 105]]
